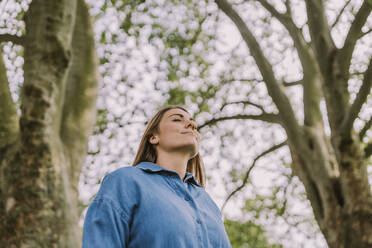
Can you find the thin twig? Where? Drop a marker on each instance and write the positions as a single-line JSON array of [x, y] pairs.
[[244, 102], [288, 84], [366, 127], [245, 179], [365, 33], [267, 117], [339, 14]]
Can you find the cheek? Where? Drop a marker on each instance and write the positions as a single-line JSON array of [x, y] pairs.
[[171, 132], [171, 127]]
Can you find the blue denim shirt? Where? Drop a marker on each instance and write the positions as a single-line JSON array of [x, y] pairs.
[[148, 206]]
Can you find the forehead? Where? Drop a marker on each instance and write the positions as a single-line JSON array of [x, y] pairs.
[[177, 112]]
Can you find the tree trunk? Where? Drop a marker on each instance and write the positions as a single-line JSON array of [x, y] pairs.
[[39, 168], [342, 211]]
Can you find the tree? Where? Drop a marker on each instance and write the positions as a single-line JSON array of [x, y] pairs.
[[333, 168], [41, 157]]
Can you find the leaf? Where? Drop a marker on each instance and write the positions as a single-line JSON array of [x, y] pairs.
[[177, 96], [127, 23]]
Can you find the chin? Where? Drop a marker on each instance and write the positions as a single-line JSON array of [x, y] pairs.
[[193, 150]]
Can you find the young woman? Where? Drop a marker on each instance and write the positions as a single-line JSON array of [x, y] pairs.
[[160, 201]]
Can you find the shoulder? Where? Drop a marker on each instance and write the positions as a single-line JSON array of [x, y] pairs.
[[121, 175], [119, 189], [123, 171], [120, 181]]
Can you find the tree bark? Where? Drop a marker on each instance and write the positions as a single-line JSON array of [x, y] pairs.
[[343, 214], [38, 191]]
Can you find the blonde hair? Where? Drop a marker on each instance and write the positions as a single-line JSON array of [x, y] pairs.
[[147, 152]]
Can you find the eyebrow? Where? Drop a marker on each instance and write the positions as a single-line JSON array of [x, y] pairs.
[[181, 116]]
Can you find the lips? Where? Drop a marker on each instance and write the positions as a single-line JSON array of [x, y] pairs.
[[189, 133]]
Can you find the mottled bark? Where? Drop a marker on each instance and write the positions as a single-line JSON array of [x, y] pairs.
[[342, 210], [332, 169], [38, 206]]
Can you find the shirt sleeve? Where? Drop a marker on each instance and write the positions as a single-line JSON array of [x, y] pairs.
[[105, 225]]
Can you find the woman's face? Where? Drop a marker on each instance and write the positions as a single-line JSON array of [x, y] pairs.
[[177, 131]]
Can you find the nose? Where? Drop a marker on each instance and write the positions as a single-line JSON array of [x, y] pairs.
[[188, 123]]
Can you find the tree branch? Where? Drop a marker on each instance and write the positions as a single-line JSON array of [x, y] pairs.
[[335, 94], [288, 7], [360, 99], [289, 84], [356, 73], [9, 121], [366, 127], [364, 33], [340, 13], [368, 150], [245, 179], [79, 107], [353, 35], [245, 103], [305, 54], [19, 40], [311, 84], [272, 118], [275, 91], [320, 33], [241, 80]]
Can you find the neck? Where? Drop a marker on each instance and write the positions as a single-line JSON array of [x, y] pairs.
[[174, 161]]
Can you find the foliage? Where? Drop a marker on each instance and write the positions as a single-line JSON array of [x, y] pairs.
[[247, 235]]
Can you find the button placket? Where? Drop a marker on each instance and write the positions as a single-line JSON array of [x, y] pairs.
[[199, 238]]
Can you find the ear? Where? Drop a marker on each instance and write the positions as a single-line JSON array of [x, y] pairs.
[[154, 140]]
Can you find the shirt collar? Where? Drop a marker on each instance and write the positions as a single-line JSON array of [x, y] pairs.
[[153, 167]]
